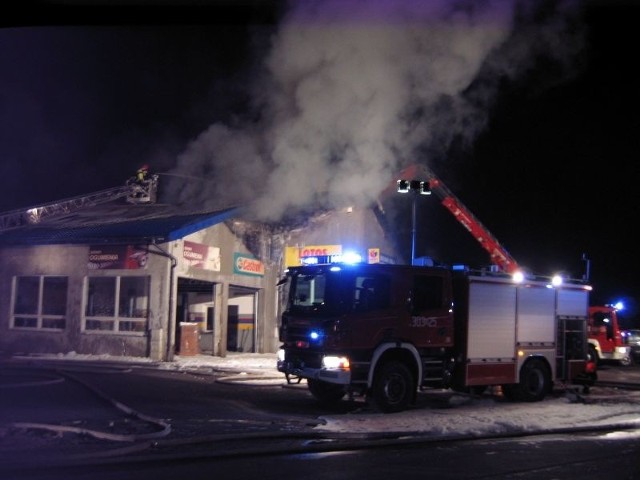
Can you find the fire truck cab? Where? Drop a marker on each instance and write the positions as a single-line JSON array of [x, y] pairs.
[[606, 342]]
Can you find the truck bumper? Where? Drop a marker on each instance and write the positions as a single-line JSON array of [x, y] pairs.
[[618, 353], [337, 376]]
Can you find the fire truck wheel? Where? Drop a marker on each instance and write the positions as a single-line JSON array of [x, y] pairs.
[[325, 392], [535, 382], [393, 387]]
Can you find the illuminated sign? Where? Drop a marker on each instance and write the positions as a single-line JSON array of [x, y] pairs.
[[320, 251], [245, 265], [311, 254]]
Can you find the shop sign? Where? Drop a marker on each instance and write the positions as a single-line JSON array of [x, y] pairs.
[[198, 255], [245, 265], [320, 251], [310, 254], [116, 257]]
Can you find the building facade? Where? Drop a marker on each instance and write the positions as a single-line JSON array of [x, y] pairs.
[[135, 281]]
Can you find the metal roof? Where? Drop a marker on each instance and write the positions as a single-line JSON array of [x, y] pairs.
[[117, 224]]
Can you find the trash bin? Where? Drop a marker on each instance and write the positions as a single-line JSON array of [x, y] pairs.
[[189, 341]]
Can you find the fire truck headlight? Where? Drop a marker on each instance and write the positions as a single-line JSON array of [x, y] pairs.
[[334, 361]]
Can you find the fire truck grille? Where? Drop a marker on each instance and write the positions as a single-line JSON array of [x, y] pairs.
[[297, 333], [303, 359]]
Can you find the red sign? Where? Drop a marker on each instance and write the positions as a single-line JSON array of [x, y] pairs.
[[202, 256], [120, 257]]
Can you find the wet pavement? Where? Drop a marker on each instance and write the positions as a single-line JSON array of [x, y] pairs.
[[48, 414]]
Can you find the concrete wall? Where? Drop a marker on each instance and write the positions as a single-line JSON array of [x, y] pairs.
[[158, 341]]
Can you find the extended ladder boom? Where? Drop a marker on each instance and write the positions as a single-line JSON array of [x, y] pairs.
[[135, 192], [498, 254]]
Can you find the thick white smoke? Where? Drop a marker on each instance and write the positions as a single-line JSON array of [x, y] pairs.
[[354, 88]]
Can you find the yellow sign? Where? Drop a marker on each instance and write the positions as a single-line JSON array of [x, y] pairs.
[[293, 255], [374, 255]]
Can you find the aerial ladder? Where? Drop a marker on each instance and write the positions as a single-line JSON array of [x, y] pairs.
[[432, 184], [134, 191]]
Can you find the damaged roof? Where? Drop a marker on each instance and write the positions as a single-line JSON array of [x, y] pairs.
[[116, 224]]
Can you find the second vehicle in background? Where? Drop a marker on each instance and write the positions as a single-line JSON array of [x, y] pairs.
[[606, 342], [632, 339]]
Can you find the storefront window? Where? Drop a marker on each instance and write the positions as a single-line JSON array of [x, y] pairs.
[[117, 304], [40, 302]]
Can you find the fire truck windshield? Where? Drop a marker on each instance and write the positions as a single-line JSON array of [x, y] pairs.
[[324, 291], [319, 292], [308, 291]]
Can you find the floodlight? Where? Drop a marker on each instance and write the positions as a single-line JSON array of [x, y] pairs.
[[403, 186], [425, 188]]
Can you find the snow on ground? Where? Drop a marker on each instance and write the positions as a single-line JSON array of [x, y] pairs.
[[455, 414], [490, 415]]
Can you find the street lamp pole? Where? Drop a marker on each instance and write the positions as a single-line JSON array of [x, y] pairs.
[[415, 187], [414, 203]]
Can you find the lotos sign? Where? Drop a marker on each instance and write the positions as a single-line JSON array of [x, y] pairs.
[[320, 251], [295, 256]]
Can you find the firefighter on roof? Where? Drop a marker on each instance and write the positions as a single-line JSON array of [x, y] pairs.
[[141, 174]]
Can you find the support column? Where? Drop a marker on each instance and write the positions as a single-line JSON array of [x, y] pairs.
[[222, 304]]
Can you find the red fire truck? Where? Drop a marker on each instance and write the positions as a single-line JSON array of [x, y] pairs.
[[385, 331], [605, 339]]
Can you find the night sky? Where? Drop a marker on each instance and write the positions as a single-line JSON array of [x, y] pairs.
[[89, 93]]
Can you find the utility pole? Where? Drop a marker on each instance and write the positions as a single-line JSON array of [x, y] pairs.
[[415, 187]]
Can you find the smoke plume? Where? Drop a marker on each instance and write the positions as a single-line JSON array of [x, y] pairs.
[[353, 90]]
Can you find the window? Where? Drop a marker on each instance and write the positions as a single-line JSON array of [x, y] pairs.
[[603, 324], [309, 290], [40, 302], [427, 293], [372, 293], [117, 304]]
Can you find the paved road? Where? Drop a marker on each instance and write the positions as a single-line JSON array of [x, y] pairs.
[[616, 373], [93, 407]]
